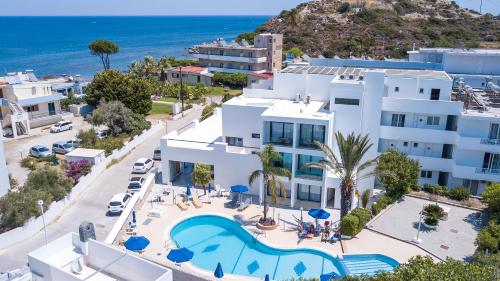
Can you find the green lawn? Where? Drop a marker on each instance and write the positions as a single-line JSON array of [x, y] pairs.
[[160, 109], [169, 99], [219, 91]]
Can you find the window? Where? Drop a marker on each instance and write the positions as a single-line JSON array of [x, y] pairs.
[[255, 136], [432, 120], [198, 79], [304, 170], [421, 91], [398, 120], [426, 174], [284, 162], [494, 131], [435, 94], [346, 101], [405, 143], [396, 89], [311, 133], [309, 192], [415, 144], [234, 141], [281, 133], [221, 52], [31, 108]]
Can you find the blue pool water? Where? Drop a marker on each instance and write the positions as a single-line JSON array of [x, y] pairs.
[[216, 239]]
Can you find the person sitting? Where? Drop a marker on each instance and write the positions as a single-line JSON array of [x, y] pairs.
[[326, 232], [310, 231]]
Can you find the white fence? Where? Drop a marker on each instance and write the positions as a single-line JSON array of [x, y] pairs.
[[55, 209]]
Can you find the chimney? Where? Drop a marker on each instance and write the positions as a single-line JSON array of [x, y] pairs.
[[87, 232], [308, 99]]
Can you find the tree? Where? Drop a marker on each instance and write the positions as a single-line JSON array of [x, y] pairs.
[[146, 68], [87, 138], [232, 80], [103, 49], [208, 111], [296, 52], [397, 172], [491, 196], [18, 207], [247, 37], [134, 92], [270, 173], [348, 167], [51, 180], [365, 197], [118, 118], [202, 175]]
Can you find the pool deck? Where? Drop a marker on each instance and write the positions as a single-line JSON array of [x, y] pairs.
[[156, 229]]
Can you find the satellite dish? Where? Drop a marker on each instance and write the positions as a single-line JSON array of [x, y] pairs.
[[76, 266]]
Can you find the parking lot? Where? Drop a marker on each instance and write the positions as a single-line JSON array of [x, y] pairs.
[[16, 149], [453, 237]]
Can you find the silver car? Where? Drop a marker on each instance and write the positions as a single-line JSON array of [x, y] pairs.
[[62, 147], [39, 151], [157, 154]]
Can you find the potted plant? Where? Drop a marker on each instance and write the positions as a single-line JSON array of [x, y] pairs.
[[432, 214]]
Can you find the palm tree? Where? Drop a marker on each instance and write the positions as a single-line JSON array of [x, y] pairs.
[[271, 175], [348, 167]]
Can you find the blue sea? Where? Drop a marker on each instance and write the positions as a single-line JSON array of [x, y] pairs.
[[58, 45]]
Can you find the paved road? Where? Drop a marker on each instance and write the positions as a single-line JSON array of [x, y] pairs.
[[92, 205]]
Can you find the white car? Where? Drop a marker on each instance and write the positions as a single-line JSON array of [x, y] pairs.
[[118, 203], [142, 165], [61, 126], [101, 134], [135, 184]]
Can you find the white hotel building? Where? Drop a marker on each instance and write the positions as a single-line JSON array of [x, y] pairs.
[[410, 110]]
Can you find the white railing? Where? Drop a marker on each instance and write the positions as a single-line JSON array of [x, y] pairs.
[[490, 141], [55, 209]]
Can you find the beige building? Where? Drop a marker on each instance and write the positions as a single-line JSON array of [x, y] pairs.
[[191, 75], [27, 103], [264, 56]]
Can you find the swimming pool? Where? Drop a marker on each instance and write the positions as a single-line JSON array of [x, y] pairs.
[[216, 239]]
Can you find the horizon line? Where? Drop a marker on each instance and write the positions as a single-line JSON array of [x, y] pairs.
[[125, 15]]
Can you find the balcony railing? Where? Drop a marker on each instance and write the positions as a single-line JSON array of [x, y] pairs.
[[490, 141], [488, 171], [308, 174], [280, 141]]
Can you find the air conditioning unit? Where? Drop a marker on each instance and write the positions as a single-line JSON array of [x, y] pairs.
[[351, 77], [342, 77], [361, 78]]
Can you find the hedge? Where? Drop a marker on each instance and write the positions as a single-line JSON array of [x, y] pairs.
[[349, 225], [232, 80], [381, 204]]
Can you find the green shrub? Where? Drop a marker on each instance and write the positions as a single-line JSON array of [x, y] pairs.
[[381, 204], [491, 196], [232, 80], [435, 189], [434, 210], [344, 7], [431, 220], [364, 217], [29, 163], [349, 225], [51, 180], [486, 242], [397, 172], [109, 144], [18, 207], [365, 197], [459, 193], [416, 187]]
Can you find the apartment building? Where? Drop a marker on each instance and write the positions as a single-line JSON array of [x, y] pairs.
[[27, 102], [413, 111], [191, 75], [263, 56]]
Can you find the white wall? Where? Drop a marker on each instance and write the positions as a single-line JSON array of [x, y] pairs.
[[471, 63], [233, 117], [4, 173]]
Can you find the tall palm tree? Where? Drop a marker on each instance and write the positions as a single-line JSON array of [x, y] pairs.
[[271, 175], [348, 167]]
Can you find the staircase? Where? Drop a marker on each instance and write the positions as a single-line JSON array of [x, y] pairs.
[[16, 118]]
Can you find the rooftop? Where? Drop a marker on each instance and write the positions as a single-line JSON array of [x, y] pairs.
[[413, 73], [192, 69], [263, 75], [198, 135], [222, 44], [290, 109], [102, 262], [85, 152], [459, 51]]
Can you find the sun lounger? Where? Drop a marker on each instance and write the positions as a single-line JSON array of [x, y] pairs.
[[244, 205], [182, 206], [233, 203], [196, 201]]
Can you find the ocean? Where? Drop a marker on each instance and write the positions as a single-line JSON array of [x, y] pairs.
[[58, 45]]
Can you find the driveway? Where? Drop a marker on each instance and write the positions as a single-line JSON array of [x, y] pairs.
[[92, 205], [16, 149], [452, 238]]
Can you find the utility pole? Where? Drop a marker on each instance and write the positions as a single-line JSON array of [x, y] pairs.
[[40, 203]]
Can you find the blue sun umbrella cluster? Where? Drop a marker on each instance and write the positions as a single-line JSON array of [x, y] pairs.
[[136, 243]]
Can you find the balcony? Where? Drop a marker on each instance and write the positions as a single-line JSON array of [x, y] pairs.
[[475, 173], [490, 141], [305, 172], [488, 171], [231, 58], [278, 133], [418, 134]]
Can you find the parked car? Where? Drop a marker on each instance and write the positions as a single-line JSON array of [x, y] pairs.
[[101, 134], [142, 165], [61, 126], [135, 184], [157, 154], [74, 142], [62, 147], [118, 203], [39, 151]]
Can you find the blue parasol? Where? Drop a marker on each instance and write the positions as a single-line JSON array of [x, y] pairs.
[[180, 255], [218, 271], [136, 243]]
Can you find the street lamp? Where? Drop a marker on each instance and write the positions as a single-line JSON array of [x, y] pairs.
[[417, 239], [40, 203]]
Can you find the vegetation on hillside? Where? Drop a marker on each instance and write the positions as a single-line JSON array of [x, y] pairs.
[[382, 28]]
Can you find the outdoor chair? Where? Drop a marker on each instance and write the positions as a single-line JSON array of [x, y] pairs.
[[233, 203], [182, 206], [196, 201], [244, 205]]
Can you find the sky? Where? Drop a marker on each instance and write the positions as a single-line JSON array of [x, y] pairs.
[[145, 7], [174, 7]]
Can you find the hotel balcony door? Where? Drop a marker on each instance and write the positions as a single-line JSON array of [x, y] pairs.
[[330, 198], [52, 108]]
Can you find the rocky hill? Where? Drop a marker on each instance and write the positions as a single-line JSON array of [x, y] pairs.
[[382, 28]]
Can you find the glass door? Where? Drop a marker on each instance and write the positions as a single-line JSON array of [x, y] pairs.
[[52, 108], [494, 132]]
